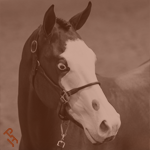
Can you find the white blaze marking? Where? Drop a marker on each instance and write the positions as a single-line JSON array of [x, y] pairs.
[[81, 60]]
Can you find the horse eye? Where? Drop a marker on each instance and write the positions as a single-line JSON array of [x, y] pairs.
[[61, 66]]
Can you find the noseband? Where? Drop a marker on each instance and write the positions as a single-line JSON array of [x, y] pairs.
[[64, 95]]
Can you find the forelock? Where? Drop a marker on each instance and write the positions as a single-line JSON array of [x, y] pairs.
[[63, 24]]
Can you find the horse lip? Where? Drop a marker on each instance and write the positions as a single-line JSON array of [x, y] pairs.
[[97, 142]]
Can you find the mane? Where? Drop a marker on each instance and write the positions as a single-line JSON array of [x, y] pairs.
[[136, 79], [63, 24]]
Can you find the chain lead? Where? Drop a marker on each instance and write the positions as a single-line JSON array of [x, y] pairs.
[[61, 142]]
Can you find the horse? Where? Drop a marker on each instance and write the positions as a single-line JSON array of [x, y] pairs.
[[64, 104]]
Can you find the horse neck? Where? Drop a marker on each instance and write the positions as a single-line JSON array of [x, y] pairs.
[[114, 94], [124, 100], [39, 125], [108, 86]]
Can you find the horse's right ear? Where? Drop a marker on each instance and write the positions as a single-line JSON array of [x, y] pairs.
[[49, 20]]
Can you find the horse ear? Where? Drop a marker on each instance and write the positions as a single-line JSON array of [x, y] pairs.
[[78, 20], [49, 20]]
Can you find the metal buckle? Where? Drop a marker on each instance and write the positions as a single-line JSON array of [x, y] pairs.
[[61, 144], [64, 97]]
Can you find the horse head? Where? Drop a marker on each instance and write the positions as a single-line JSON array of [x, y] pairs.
[[69, 64]]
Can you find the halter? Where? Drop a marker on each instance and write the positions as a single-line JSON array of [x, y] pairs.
[[64, 96]]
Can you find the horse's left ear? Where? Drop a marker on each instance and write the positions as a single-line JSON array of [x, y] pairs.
[[78, 20], [49, 20]]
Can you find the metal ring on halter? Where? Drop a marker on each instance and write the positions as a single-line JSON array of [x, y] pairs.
[[33, 46]]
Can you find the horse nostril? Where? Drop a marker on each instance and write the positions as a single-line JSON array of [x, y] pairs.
[[103, 126]]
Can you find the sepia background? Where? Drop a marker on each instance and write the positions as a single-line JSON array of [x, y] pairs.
[[117, 30]]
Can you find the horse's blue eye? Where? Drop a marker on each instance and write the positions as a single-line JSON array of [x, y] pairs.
[[61, 66]]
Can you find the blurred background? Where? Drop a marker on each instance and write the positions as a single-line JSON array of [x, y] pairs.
[[117, 30]]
